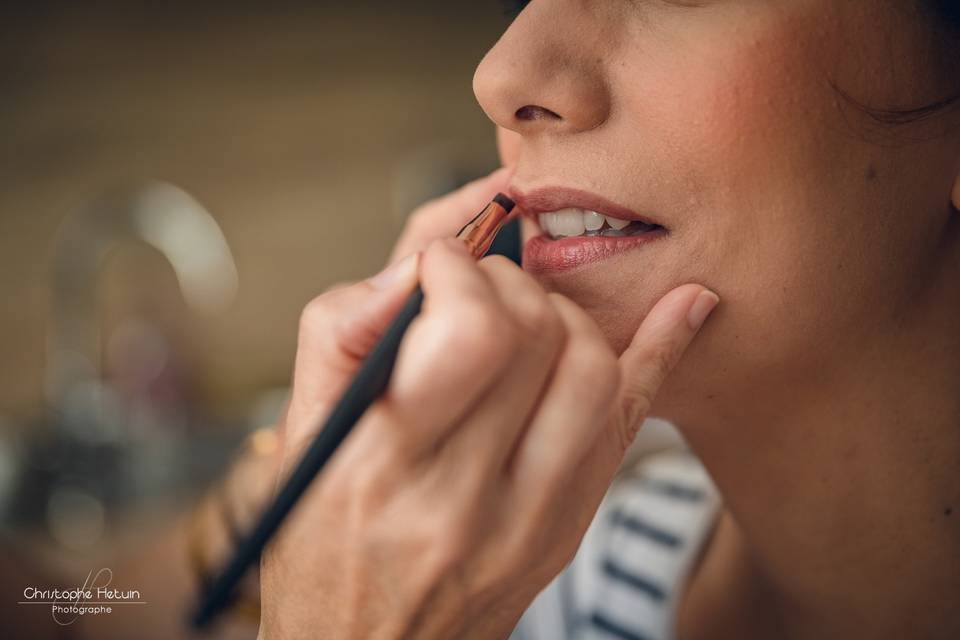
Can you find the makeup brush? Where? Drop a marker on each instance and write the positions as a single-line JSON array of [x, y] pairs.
[[367, 385]]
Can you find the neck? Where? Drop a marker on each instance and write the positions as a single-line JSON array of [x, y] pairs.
[[843, 500]]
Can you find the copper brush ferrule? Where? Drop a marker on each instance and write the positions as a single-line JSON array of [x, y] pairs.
[[478, 234]]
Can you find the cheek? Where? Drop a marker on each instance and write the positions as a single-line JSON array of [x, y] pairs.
[[757, 173], [734, 103], [739, 143], [719, 136], [810, 263]]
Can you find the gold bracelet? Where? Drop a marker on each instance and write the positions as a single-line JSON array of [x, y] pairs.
[[217, 516]]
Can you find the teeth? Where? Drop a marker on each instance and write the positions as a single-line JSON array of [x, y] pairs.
[[616, 223], [546, 222], [566, 222], [575, 222], [569, 222], [592, 220]]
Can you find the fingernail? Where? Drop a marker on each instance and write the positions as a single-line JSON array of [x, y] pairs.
[[404, 271], [697, 314]]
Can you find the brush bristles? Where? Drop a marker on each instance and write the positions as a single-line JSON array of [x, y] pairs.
[[504, 202]]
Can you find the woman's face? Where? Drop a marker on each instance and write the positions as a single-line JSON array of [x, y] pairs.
[[718, 121]]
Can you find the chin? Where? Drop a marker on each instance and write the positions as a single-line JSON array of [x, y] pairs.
[[617, 307]]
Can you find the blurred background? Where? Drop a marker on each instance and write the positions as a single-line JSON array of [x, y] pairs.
[[176, 181]]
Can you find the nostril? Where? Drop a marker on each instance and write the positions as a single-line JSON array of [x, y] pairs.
[[535, 112]]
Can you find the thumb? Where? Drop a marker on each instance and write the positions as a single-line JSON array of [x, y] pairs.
[[656, 348]]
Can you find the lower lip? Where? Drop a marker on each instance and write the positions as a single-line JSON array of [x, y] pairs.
[[541, 254]]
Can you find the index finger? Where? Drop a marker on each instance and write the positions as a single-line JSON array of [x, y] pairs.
[[657, 346], [453, 351]]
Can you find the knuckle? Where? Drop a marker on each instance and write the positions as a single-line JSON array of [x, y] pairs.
[[531, 307], [594, 361], [636, 401], [661, 360], [478, 334], [641, 399], [423, 220], [638, 393], [637, 397], [422, 216], [486, 350], [537, 316], [315, 315]]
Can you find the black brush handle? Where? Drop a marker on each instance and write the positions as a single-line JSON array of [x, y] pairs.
[[367, 385]]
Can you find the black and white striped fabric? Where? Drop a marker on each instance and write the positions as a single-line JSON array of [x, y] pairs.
[[625, 580]]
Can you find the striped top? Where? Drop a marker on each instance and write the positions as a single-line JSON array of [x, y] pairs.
[[625, 580]]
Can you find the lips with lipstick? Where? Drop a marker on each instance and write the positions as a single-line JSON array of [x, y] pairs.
[[569, 228]]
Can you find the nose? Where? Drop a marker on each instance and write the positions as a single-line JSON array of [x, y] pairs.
[[542, 77]]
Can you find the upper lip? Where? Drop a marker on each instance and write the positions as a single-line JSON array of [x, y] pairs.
[[548, 199]]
